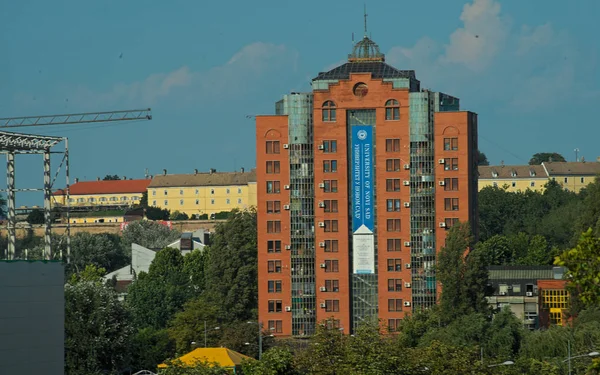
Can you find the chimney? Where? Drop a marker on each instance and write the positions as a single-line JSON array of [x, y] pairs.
[[124, 177], [164, 172], [242, 169], [77, 180], [582, 159], [212, 170], [598, 159], [195, 171], [502, 163], [97, 178]]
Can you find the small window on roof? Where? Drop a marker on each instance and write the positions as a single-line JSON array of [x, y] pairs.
[[494, 174]]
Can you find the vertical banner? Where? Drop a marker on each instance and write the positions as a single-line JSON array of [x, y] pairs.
[[363, 240]]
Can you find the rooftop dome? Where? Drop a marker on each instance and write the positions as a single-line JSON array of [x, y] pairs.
[[366, 50]]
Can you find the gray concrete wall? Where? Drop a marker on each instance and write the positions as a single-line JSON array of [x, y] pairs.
[[32, 316]]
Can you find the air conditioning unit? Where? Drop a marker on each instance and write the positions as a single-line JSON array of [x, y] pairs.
[[286, 206], [407, 244], [406, 204], [321, 244], [322, 204], [442, 161], [323, 305], [529, 294], [323, 289], [323, 265], [288, 247], [288, 308], [286, 187], [442, 225], [502, 293], [406, 183], [321, 224], [321, 147], [406, 303], [407, 265], [442, 183], [285, 145], [321, 185], [406, 166], [407, 285]]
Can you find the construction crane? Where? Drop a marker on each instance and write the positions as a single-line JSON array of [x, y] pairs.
[[20, 143]]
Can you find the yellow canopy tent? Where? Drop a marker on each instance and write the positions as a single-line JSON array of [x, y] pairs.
[[224, 357]]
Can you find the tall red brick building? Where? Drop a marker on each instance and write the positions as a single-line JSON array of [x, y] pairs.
[[358, 182]]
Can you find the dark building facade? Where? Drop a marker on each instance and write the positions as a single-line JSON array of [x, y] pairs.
[[358, 182]]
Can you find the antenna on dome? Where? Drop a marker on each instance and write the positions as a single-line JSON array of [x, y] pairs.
[[365, 15]]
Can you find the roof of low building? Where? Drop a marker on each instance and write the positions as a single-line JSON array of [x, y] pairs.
[[521, 272], [511, 171], [222, 356], [204, 179], [107, 187], [378, 70], [572, 168]]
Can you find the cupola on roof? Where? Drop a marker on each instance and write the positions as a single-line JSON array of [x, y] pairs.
[[366, 50]]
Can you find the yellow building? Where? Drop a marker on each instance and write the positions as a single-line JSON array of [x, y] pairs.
[[573, 176], [112, 193], [513, 177], [203, 193]]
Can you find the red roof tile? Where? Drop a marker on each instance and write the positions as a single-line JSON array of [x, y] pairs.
[[107, 187]]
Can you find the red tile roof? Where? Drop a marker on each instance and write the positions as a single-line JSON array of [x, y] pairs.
[[107, 187]]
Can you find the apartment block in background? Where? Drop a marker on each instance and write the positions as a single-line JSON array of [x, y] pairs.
[[358, 182]]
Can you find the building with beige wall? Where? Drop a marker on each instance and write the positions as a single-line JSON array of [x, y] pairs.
[[203, 193], [573, 176], [111, 193]]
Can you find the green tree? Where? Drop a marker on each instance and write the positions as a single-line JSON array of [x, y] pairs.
[[482, 159], [148, 234], [188, 325], [111, 178], [326, 354], [504, 336], [103, 250], [91, 273], [194, 263], [176, 215], [496, 250], [143, 200], [36, 216], [583, 276], [2, 206], [275, 361], [462, 273], [150, 347], [542, 157], [155, 297], [198, 368], [96, 329], [231, 267], [442, 359], [156, 213]]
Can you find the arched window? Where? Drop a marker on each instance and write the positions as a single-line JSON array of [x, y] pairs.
[[392, 110], [329, 111]]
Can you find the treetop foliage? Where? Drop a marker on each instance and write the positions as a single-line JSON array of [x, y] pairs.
[[542, 157]]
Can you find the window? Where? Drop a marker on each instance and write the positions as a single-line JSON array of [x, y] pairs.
[[394, 324], [227, 190], [180, 192], [275, 326], [451, 204], [331, 246], [331, 225], [197, 191], [451, 164], [392, 145], [91, 200], [392, 184], [166, 202], [274, 266], [332, 305], [272, 147], [392, 110], [227, 201], [394, 265], [332, 285], [450, 184], [212, 191], [273, 207], [153, 192], [197, 201], [275, 305], [393, 205], [331, 205], [582, 180], [181, 202], [329, 111], [392, 165], [332, 266], [532, 184], [394, 304], [272, 187], [165, 192], [273, 226], [394, 285], [330, 147], [333, 324], [239, 190], [154, 203], [331, 186], [274, 246], [393, 225], [274, 286], [450, 222], [329, 166], [393, 244], [272, 167], [516, 288], [239, 200], [566, 179], [450, 144], [212, 201]]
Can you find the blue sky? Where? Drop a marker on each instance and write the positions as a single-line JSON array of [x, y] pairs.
[[531, 73]]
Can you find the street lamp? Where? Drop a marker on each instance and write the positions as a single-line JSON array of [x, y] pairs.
[[260, 337], [206, 334], [590, 354], [505, 363]]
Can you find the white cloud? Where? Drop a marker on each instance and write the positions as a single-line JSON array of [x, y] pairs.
[[531, 38]]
